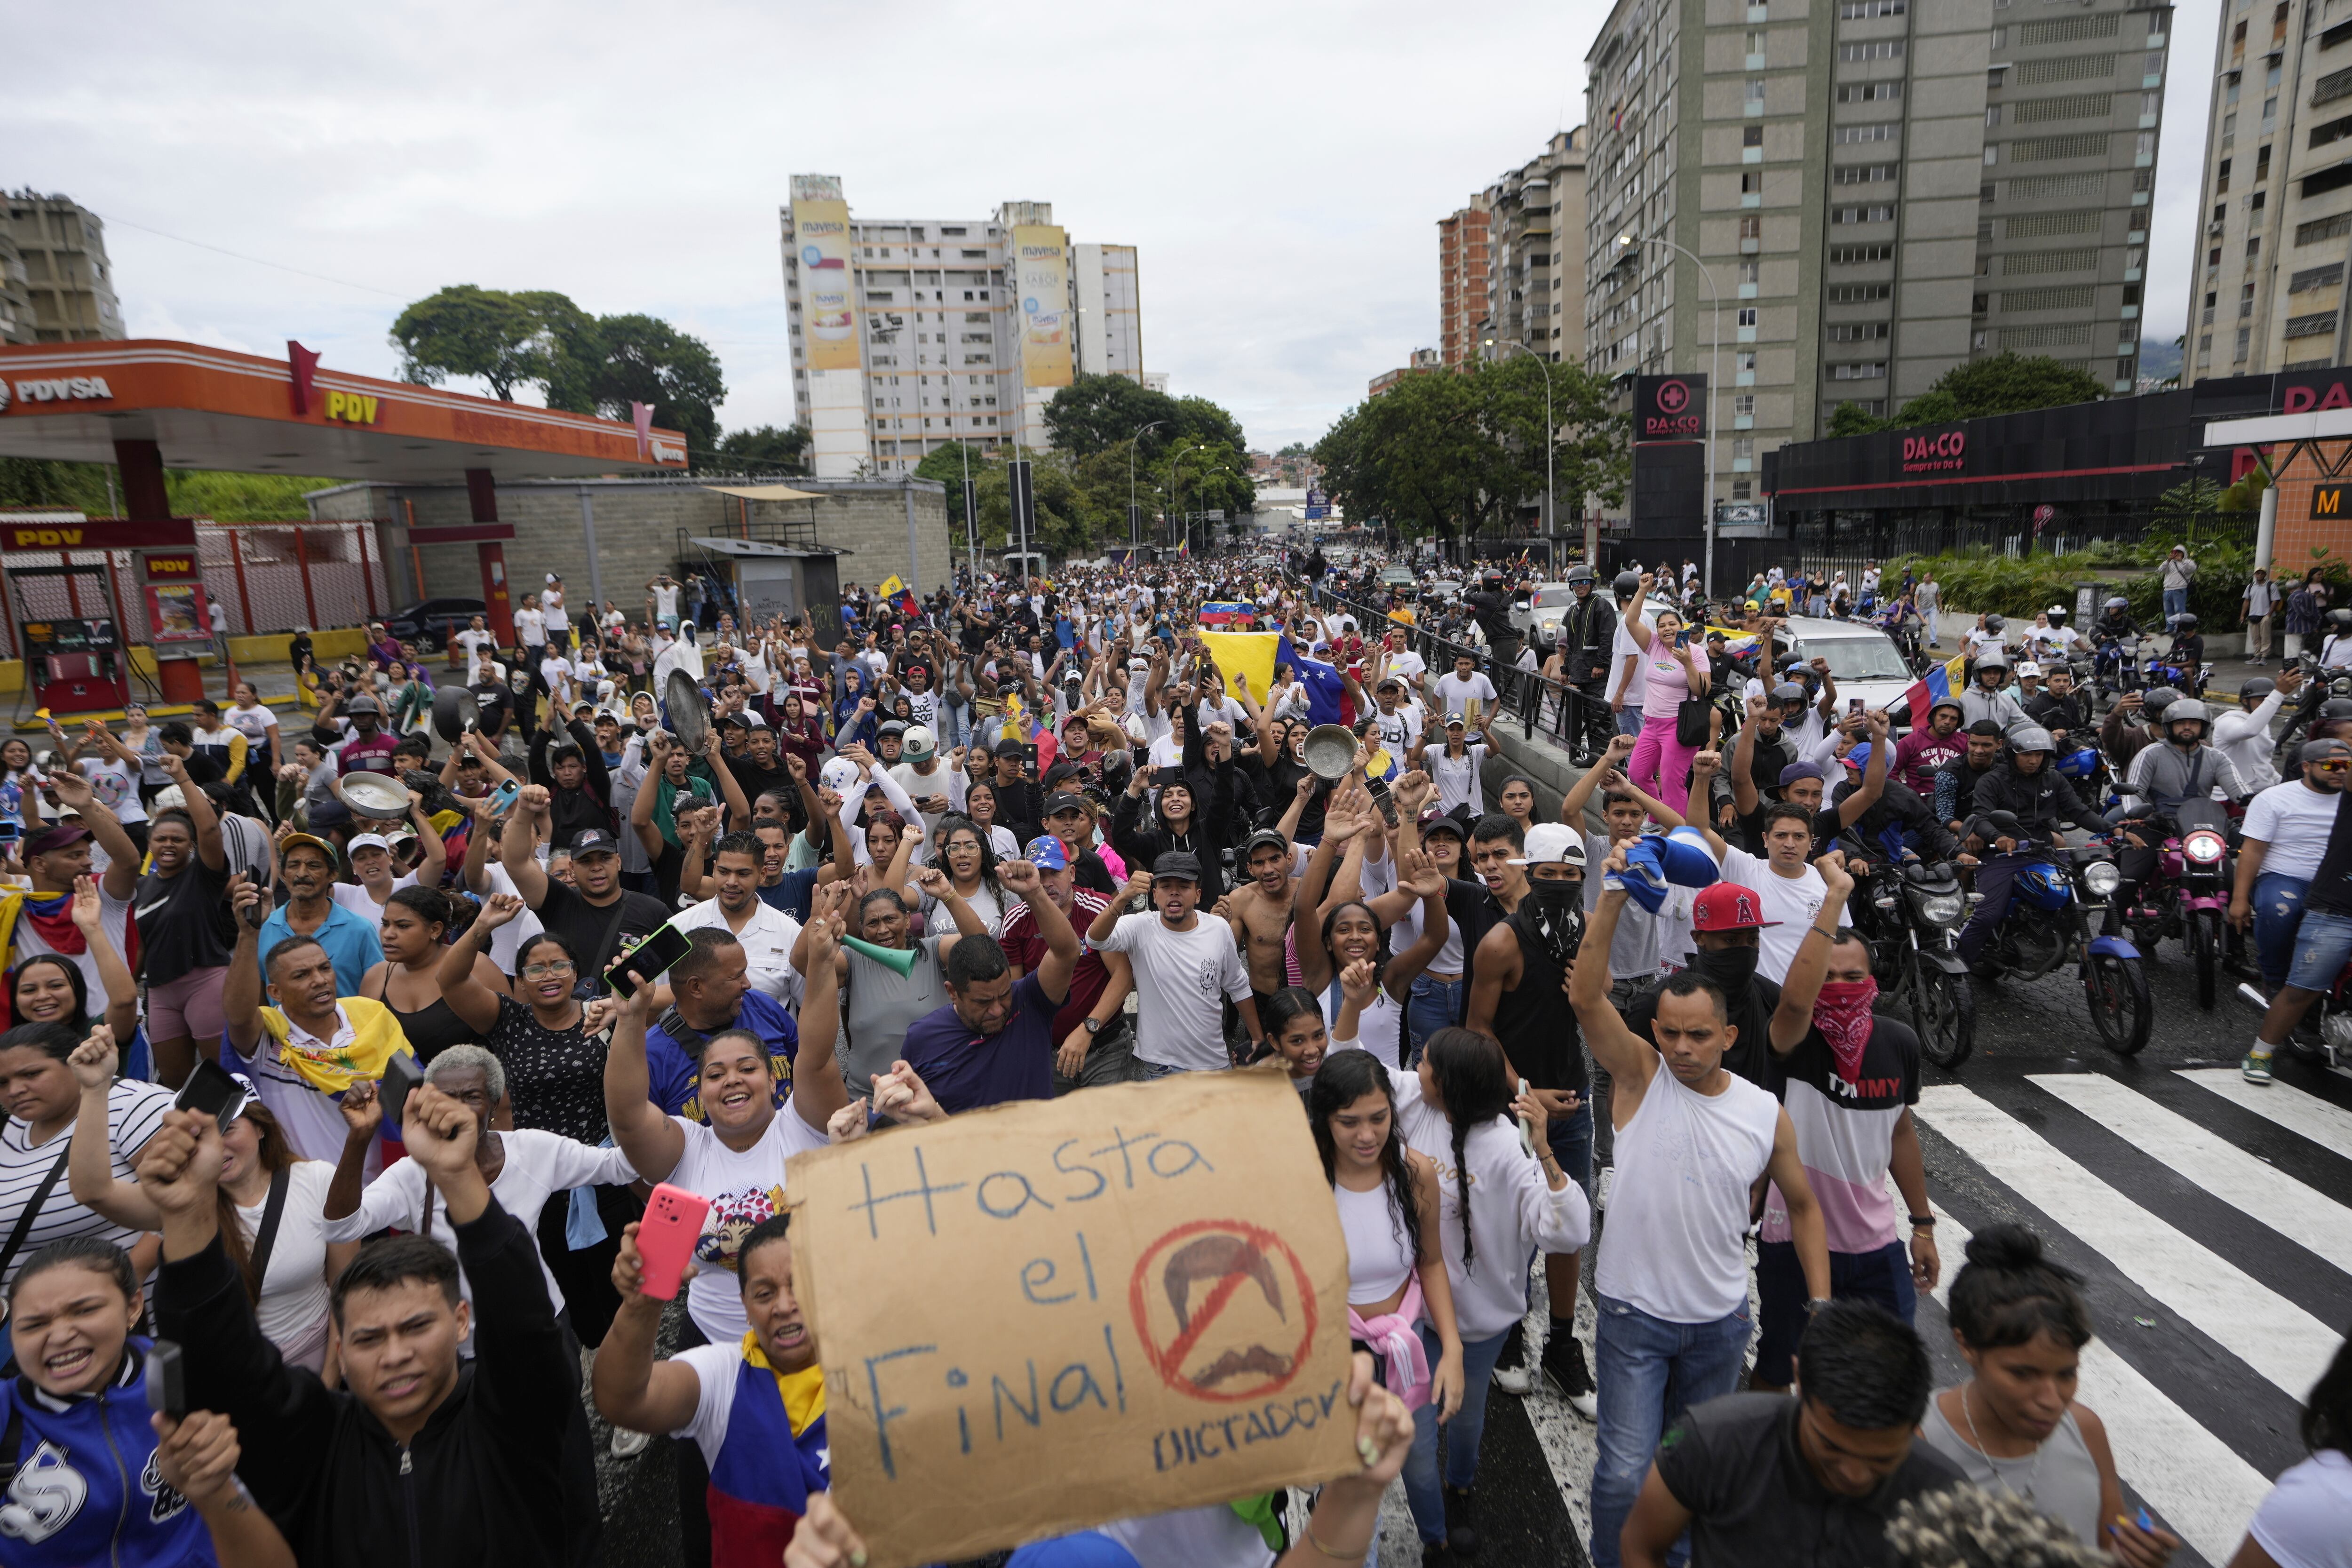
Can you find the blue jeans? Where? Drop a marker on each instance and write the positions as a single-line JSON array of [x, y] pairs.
[[2175, 605], [1461, 1434], [2278, 912], [1571, 1144], [1629, 721], [1995, 876], [1649, 1372], [1146, 1071], [1434, 1005], [2321, 950]]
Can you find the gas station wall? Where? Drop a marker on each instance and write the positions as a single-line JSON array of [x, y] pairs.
[[638, 526]]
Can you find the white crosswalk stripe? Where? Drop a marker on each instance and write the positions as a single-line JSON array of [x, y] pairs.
[[2229, 1306], [2304, 1114]]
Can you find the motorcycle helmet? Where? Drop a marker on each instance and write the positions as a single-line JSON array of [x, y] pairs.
[[2032, 737], [2332, 709], [1992, 659], [2057, 613], [1996, 623], [2184, 623], [1579, 572], [1789, 691], [2157, 698], [2188, 710], [1627, 585], [2252, 692], [2117, 603], [2341, 622]]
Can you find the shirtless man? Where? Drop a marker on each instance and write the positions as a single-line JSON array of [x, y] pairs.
[[1260, 911]]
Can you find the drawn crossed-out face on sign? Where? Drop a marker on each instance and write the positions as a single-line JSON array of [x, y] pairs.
[[1226, 1310]]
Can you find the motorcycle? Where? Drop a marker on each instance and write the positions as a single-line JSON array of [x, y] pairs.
[[1914, 954], [2094, 779], [2188, 680], [2049, 924], [2116, 666], [2188, 897]]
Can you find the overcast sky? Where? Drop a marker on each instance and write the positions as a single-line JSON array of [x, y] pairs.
[[1282, 168]]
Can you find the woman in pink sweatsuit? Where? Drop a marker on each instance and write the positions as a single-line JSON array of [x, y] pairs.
[[1670, 674]]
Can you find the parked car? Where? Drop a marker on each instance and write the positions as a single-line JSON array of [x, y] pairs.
[[426, 623], [1537, 613], [1863, 661]]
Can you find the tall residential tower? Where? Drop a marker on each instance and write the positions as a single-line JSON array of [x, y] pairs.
[[1878, 191]]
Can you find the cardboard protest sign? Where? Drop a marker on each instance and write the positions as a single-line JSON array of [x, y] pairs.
[[1039, 1318]]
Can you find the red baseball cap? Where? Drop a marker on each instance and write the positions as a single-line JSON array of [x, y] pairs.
[[1728, 906]]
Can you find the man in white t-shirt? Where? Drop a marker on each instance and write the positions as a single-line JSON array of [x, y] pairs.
[[559, 619], [1790, 889], [530, 628], [2286, 831], [477, 637], [1466, 691], [1398, 723], [1400, 660], [663, 592], [1625, 684], [1185, 968]]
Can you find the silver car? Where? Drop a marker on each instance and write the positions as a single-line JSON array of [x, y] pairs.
[[1536, 614]]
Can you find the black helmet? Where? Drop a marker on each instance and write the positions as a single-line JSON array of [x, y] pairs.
[[1627, 585], [2254, 690], [2157, 698]]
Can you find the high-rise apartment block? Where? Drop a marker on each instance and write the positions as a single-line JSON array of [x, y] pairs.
[[1461, 283], [1535, 276], [1878, 190], [2274, 227], [908, 333], [56, 284]]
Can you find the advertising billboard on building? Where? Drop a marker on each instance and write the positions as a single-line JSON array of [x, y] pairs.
[[1669, 408], [829, 283], [1041, 261]]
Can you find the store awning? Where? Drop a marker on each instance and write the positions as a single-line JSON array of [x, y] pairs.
[[766, 492]]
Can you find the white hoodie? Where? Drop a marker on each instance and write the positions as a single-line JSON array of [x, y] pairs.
[[2244, 737], [1513, 1211]]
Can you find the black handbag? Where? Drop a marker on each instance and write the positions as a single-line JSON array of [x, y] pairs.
[[1690, 721]]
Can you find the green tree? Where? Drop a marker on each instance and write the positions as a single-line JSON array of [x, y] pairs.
[[947, 463], [768, 449], [2193, 497], [2016, 384], [2246, 495], [1095, 412], [1853, 419], [39, 484], [647, 360], [1198, 420], [465, 330]]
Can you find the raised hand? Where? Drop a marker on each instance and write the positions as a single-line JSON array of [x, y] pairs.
[[179, 1169], [86, 906], [1139, 885], [439, 1132], [92, 1061], [196, 1454], [1019, 876], [1357, 984], [935, 882], [849, 1123], [498, 910]]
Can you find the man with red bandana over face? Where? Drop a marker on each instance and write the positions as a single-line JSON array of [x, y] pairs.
[[1848, 1087]]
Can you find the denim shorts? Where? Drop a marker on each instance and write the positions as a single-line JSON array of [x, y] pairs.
[[2322, 947]]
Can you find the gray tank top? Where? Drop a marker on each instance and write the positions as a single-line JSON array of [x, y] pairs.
[[2060, 1478]]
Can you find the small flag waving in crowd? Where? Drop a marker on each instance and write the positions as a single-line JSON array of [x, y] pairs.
[[1940, 684], [898, 595]]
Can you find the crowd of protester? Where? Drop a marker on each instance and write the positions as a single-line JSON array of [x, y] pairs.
[[1106, 861]]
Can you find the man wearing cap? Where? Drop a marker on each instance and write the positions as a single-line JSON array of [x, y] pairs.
[[2322, 939], [366, 747], [370, 855], [568, 762], [1095, 1044], [935, 787], [315, 908], [1398, 723], [1919, 753], [1020, 803], [594, 914], [1260, 908], [1070, 817], [1516, 985], [997, 1039], [42, 921], [1185, 968]]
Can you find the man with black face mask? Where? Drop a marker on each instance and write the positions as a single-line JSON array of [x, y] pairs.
[[1725, 922]]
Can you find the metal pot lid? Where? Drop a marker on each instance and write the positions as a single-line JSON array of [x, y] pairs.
[[454, 707], [688, 714], [1330, 752]]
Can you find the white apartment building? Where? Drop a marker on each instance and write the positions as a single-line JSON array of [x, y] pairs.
[[1878, 191], [2275, 225], [907, 332]]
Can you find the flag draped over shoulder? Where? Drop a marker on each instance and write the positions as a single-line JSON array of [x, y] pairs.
[[1325, 689], [1940, 684]]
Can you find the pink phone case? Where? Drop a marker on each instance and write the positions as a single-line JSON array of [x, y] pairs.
[[666, 1240]]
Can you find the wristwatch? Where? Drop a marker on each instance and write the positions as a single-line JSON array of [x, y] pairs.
[[1094, 1025]]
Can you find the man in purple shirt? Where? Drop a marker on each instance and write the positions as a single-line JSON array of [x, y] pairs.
[[994, 1039], [369, 747]]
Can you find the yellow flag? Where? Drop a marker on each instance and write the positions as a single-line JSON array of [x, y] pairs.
[[892, 587], [1246, 654]]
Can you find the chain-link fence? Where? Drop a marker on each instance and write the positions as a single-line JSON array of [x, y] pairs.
[[268, 577]]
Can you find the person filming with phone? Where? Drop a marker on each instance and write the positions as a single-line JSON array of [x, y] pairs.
[[421, 1456]]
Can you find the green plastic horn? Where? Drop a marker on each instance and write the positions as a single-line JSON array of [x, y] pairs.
[[901, 959]]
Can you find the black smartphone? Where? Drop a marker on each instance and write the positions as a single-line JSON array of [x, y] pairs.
[[401, 1077], [167, 1380], [213, 1090], [649, 961]]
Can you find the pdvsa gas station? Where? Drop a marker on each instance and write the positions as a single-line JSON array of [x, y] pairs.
[[149, 406]]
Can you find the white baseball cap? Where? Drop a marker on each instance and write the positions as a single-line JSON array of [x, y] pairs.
[[1552, 843], [368, 841]]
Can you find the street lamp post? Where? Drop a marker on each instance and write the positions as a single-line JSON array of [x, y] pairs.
[[1134, 523], [1715, 376], [1176, 483], [1551, 440]]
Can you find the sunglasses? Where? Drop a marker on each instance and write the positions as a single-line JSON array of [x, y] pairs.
[[2338, 767]]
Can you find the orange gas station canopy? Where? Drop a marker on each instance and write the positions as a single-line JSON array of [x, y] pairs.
[[214, 408]]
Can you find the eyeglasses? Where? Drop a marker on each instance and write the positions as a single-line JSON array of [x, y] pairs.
[[542, 969]]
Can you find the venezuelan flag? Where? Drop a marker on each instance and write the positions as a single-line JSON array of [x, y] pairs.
[[1227, 612], [1940, 684], [898, 595]]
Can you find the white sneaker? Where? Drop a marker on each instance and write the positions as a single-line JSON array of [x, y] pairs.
[[628, 1445]]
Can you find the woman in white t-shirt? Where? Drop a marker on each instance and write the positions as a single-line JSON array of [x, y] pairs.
[[737, 1159], [289, 1282], [252, 719]]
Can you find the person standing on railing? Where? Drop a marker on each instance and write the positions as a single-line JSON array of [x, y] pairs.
[[1670, 672]]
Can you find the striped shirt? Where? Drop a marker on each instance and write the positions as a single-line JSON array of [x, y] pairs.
[[134, 1109]]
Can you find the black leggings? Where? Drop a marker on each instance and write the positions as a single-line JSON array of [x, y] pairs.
[[585, 1277]]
